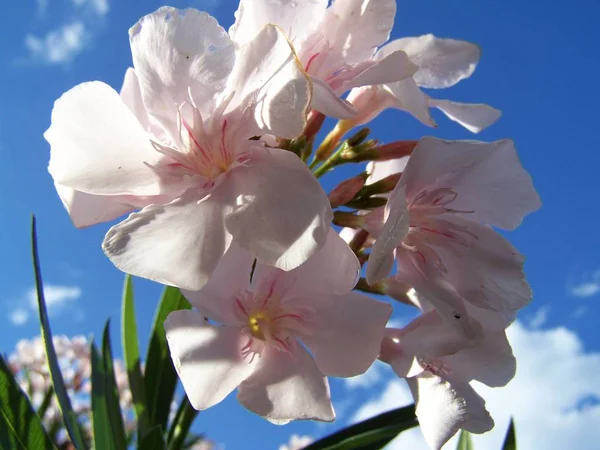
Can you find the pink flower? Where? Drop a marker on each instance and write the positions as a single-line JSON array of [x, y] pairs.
[[335, 44], [437, 226], [442, 63], [180, 142], [264, 326]]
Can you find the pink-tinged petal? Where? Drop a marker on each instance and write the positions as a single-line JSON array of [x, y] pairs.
[[334, 269], [410, 99], [444, 407], [88, 209], [176, 53], [358, 27], [347, 334], [488, 179], [132, 97], [287, 386], [97, 145], [208, 359], [473, 116], [442, 62], [326, 101], [378, 170], [178, 244], [369, 102], [217, 298], [394, 231], [394, 67], [282, 214], [270, 86], [296, 19]]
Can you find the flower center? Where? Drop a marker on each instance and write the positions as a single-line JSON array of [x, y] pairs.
[[259, 325]]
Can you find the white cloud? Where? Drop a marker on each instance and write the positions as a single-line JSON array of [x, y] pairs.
[[588, 287], [99, 7], [59, 45], [540, 317], [554, 398], [59, 299]]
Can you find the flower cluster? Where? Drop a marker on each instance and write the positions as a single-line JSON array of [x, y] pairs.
[[206, 147]]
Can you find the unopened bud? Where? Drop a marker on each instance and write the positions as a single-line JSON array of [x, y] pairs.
[[382, 186], [347, 219], [332, 140], [358, 137], [394, 150], [358, 241], [298, 146], [313, 124], [346, 190], [359, 153], [367, 203]]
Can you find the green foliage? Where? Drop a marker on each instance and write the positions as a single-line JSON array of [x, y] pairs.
[[510, 440], [178, 433], [154, 440], [20, 426], [69, 416], [464, 441], [370, 434]]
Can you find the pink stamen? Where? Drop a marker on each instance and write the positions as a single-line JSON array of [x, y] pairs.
[[198, 146], [310, 61], [238, 303]]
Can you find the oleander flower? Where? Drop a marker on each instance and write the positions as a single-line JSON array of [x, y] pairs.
[[263, 327], [181, 142]]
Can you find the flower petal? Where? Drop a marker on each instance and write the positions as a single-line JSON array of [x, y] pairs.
[[287, 386], [283, 214], [98, 146], [394, 231], [394, 67], [268, 81], [347, 334], [132, 97], [178, 244], [488, 178], [296, 19], [473, 116], [326, 101], [444, 407], [442, 62], [208, 359], [176, 53], [412, 100]]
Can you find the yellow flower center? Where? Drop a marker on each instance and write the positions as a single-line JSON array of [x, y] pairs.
[[258, 323]]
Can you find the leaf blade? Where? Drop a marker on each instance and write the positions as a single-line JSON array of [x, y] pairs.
[[510, 440], [465, 442], [181, 424], [100, 421], [154, 440]]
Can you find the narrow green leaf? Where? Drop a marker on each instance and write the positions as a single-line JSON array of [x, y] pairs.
[[20, 426], [510, 441], [45, 402], [464, 441], [154, 440], [181, 425], [160, 376], [377, 431], [69, 416], [100, 419], [131, 354], [112, 393]]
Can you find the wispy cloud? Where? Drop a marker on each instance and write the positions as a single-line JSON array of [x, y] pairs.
[[554, 397], [59, 299], [61, 44], [587, 286]]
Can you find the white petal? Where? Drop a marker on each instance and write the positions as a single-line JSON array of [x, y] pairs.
[[347, 335], [176, 52], [410, 99], [442, 62], [394, 67], [283, 214], [208, 359], [268, 80], [394, 231], [132, 97], [98, 146], [473, 116], [296, 18], [487, 177], [443, 408], [287, 387], [178, 244], [326, 101]]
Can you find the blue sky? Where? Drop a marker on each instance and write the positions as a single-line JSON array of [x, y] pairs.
[[540, 65]]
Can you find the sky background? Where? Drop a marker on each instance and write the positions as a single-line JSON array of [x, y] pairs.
[[540, 66]]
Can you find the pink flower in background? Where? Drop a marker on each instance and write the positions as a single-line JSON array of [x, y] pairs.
[[336, 44], [257, 345], [179, 141], [442, 63], [437, 226]]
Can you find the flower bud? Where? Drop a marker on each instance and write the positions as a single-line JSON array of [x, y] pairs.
[[358, 137], [313, 125], [367, 203], [346, 190], [382, 186], [394, 150], [347, 219]]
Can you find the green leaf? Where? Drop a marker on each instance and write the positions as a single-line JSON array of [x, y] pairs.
[[510, 441], [154, 440], [160, 376], [464, 441], [181, 425], [20, 426], [45, 402], [372, 433], [112, 393], [68, 415], [100, 419], [131, 354]]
